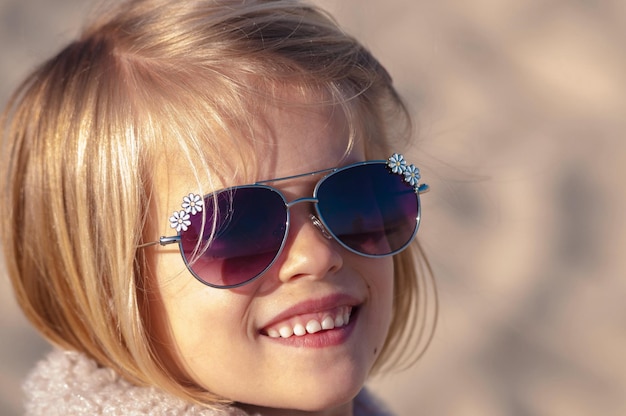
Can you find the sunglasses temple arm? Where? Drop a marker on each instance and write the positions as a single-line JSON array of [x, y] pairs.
[[164, 241], [423, 188]]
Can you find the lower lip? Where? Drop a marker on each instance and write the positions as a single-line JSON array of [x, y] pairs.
[[321, 339]]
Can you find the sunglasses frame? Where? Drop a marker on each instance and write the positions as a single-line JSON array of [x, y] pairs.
[[193, 204]]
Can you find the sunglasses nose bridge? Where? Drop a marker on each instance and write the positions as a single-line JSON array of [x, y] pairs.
[[301, 200], [316, 221]]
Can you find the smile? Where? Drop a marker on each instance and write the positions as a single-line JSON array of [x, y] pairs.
[[311, 323]]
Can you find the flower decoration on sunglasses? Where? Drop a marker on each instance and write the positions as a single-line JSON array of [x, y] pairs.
[[411, 173], [180, 220], [192, 204], [396, 163]]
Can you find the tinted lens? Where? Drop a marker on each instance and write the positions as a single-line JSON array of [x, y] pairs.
[[249, 226], [369, 209]]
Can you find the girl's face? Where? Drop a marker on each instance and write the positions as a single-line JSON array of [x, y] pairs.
[[225, 339]]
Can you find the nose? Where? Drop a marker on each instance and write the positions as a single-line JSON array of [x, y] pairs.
[[309, 252]]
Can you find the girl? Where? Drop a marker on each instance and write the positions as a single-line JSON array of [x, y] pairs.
[[253, 137]]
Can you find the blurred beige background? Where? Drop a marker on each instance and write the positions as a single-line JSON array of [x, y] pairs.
[[521, 109]]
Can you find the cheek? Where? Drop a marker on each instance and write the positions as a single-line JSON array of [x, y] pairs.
[[386, 288], [178, 309], [198, 329], [379, 277], [382, 290]]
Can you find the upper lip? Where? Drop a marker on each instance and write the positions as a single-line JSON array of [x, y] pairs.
[[313, 306]]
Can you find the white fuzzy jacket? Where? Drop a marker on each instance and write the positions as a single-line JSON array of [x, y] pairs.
[[70, 384]]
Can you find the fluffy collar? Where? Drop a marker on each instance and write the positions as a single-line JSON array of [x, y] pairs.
[[68, 383]]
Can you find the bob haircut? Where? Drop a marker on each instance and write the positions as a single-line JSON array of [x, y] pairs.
[[83, 136]]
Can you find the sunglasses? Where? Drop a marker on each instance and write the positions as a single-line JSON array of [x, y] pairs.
[[232, 236]]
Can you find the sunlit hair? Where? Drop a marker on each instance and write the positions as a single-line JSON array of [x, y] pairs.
[[84, 135]]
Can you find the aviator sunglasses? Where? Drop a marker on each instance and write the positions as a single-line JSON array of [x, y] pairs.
[[232, 236]]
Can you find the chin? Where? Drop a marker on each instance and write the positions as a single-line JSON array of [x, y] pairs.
[[308, 400], [286, 410]]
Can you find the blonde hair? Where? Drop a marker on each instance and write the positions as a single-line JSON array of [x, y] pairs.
[[82, 135]]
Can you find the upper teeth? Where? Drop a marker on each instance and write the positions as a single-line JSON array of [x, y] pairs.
[[296, 326]]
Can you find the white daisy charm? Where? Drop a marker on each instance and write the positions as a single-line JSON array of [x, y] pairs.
[[396, 163], [192, 203], [180, 220], [412, 176]]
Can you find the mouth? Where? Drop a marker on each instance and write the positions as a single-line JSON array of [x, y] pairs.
[[312, 323]]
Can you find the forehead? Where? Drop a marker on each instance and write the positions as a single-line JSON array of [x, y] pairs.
[[287, 137], [266, 135], [296, 139]]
